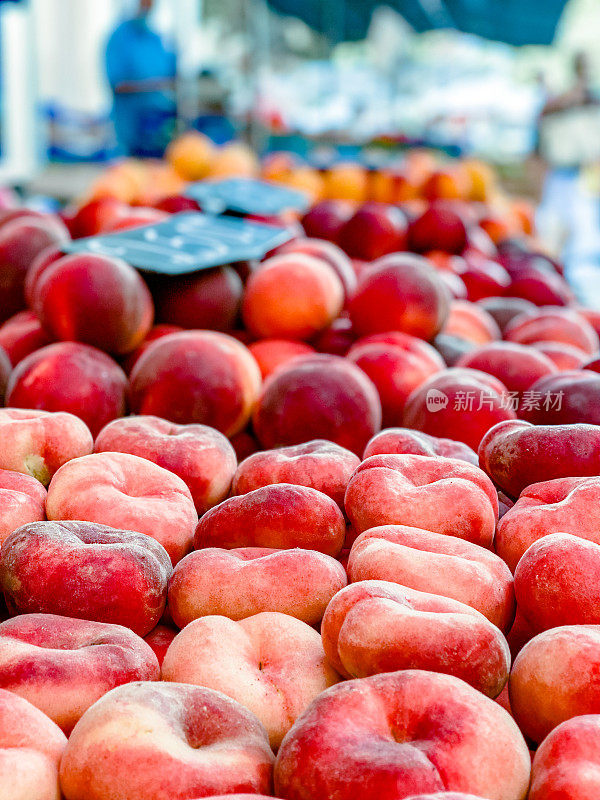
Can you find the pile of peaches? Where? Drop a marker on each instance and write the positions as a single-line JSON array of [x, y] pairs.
[[323, 527]]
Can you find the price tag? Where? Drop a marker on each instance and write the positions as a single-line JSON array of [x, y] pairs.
[[247, 196], [186, 242]]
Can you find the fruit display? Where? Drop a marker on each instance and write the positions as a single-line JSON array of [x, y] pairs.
[[318, 525]]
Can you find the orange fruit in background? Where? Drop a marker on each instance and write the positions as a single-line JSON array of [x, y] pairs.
[[391, 186], [121, 181], [418, 165], [524, 213], [191, 155], [160, 181], [497, 228], [381, 186], [277, 166], [481, 178], [308, 180], [234, 160], [446, 184], [346, 182]]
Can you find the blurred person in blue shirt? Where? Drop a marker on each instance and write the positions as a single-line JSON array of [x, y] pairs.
[[141, 70]]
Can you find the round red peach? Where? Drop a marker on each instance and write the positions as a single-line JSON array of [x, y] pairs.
[[460, 403], [329, 252], [566, 764], [516, 454], [38, 266], [318, 397], [557, 582], [374, 230], [292, 296], [326, 219], [564, 356], [21, 240], [70, 377], [540, 286], [127, 493], [396, 368], [437, 228], [21, 335], [516, 366], [556, 325], [208, 299], [564, 399], [197, 376], [270, 354], [471, 322], [553, 679], [96, 300], [400, 292]]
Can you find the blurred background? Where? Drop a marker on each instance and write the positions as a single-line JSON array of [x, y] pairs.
[[512, 83]]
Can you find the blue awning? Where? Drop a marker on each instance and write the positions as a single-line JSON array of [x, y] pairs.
[[516, 22]]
